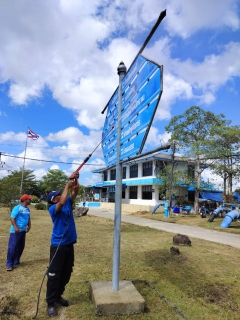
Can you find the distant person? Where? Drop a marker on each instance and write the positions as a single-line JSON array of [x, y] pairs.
[[64, 236], [84, 202], [20, 225]]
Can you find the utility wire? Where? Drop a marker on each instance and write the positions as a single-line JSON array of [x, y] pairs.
[[7, 155]]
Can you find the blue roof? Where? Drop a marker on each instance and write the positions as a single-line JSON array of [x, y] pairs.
[[212, 196]]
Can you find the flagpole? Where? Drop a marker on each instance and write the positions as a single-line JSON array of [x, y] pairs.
[[23, 164]]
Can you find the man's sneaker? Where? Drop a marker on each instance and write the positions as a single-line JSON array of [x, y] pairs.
[[62, 302], [9, 268], [51, 311]]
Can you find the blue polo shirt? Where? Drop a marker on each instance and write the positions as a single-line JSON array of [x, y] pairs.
[[21, 215], [64, 229]]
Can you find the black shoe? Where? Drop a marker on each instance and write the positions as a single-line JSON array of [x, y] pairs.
[[62, 302], [51, 311]]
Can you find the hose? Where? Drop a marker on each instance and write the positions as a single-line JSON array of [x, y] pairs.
[[40, 288]]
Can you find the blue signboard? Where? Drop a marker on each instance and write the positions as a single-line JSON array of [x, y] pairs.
[[141, 93]]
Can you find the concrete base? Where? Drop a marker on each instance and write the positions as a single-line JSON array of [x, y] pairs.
[[107, 302]]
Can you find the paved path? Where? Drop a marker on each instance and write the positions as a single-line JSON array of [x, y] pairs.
[[196, 232]]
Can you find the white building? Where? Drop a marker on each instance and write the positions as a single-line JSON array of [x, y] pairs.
[[140, 179]]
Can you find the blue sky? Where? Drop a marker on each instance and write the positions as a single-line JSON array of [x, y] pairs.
[[58, 70]]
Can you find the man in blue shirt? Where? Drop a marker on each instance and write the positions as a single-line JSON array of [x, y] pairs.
[[21, 224], [61, 250]]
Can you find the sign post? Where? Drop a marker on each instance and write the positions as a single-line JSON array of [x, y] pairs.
[[118, 189], [130, 113]]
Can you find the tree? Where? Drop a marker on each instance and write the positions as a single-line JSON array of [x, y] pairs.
[[226, 146], [237, 190], [81, 191], [193, 129], [10, 187], [171, 178], [53, 180]]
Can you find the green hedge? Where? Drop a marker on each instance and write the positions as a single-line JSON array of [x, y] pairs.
[[35, 199], [40, 206]]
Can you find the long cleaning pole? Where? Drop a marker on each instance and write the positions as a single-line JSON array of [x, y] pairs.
[[23, 165]]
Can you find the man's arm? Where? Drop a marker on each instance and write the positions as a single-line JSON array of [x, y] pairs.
[[14, 225], [29, 225], [64, 195]]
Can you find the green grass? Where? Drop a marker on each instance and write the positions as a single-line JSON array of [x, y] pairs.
[[201, 283]]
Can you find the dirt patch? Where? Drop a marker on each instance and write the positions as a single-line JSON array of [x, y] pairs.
[[8, 307], [142, 212], [219, 295]]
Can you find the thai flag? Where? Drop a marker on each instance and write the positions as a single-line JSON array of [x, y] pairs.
[[32, 135]]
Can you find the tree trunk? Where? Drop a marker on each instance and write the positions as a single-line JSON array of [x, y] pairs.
[[196, 201], [230, 177], [230, 184], [225, 184], [225, 180]]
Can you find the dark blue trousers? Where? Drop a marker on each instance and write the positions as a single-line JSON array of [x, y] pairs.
[[16, 245]]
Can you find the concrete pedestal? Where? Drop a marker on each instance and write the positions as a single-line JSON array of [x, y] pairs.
[[108, 302]]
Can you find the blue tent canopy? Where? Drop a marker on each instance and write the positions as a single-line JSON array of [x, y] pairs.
[[212, 196], [237, 196]]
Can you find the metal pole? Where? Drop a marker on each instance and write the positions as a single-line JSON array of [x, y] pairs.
[[122, 70], [171, 178]]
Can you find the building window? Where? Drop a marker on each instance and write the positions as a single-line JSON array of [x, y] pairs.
[[147, 192], [191, 196], [105, 174], [124, 172], [113, 174], [123, 193], [111, 194], [147, 169], [134, 171], [133, 192]]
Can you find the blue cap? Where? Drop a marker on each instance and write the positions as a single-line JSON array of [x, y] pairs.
[[52, 195]]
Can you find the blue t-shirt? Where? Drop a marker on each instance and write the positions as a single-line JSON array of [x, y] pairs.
[[21, 215], [64, 228]]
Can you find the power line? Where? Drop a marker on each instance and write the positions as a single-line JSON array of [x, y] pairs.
[[56, 150], [7, 155]]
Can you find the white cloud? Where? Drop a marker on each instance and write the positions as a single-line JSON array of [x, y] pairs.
[[213, 72], [75, 142], [21, 94], [73, 48], [189, 16], [93, 179], [83, 79], [155, 139]]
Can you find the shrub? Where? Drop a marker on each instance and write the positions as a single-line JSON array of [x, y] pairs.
[[35, 199], [40, 206]]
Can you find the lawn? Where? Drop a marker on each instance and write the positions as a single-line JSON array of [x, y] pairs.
[[202, 282]]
